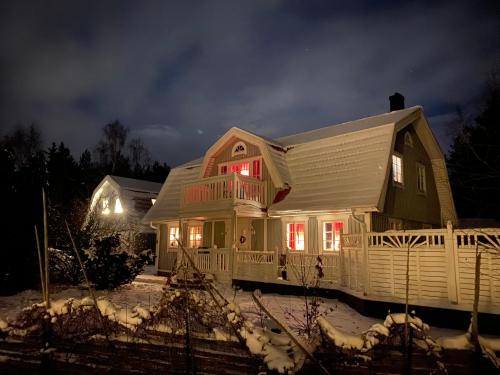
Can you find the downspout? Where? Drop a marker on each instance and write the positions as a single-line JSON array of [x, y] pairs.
[[364, 248], [157, 245]]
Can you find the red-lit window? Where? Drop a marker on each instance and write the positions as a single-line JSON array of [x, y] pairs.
[[241, 168], [331, 235], [295, 238], [223, 169], [256, 168]]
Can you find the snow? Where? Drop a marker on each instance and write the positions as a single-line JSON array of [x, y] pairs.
[[461, 342], [341, 339]]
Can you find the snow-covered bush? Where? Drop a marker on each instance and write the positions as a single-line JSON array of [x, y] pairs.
[[64, 267], [108, 265]]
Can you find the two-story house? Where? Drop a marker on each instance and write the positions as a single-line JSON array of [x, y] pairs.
[[254, 199]]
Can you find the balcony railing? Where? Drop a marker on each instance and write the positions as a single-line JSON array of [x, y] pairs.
[[235, 188]]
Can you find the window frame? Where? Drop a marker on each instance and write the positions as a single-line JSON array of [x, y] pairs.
[[226, 166], [190, 240], [393, 175], [234, 152], [169, 234], [335, 242], [408, 139], [285, 227], [421, 168]]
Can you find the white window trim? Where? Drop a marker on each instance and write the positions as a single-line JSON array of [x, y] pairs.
[[239, 161], [296, 220], [394, 182], [329, 219], [170, 225], [238, 153], [420, 166], [191, 225]]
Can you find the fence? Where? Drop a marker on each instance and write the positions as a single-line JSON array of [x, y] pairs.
[[374, 266]]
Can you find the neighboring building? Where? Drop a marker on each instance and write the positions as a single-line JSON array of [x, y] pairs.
[[299, 193], [120, 203]]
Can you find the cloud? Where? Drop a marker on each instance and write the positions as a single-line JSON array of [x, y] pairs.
[[273, 67]]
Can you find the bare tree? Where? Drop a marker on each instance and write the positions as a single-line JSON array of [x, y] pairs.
[[138, 153], [109, 149]]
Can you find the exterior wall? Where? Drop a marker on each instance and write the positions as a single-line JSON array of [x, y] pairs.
[[406, 202]]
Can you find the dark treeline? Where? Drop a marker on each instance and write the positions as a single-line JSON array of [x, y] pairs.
[[474, 158], [26, 167]]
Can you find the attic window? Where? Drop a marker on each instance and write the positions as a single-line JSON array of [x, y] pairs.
[[118, 206], [105, 206], [408, 139], [397, 169], [239, 149]]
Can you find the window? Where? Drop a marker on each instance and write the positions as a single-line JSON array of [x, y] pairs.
[[421, 185], [397, 169], [223, 170], [395, 224], [241, 168], [118, 206], [408, 139], [331, 235], [195, 236], [295, 236], [153, 201], [105, 206], [239, 149], [256, 168], [173, 235]]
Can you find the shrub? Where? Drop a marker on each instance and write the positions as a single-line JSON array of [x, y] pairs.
[[108, 266]]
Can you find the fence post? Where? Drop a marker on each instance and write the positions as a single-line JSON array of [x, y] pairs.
[[451, 267], [366, 273], [341, 257]]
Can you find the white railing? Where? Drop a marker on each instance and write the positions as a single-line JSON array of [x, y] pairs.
[[233, 187], [211, 260], [255, 257]]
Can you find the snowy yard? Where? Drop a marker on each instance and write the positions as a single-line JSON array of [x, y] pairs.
[[147, 289]]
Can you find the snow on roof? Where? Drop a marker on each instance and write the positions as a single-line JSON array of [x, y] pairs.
[[347, 127], [168, 202], [342, 172], [137, 185]]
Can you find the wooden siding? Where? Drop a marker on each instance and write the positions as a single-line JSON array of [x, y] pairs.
[[225, 155], [406, 202]]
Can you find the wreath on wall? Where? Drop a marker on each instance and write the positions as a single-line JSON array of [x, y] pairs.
[[243, 239]]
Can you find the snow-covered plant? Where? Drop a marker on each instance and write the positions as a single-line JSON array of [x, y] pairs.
[[108, 265]]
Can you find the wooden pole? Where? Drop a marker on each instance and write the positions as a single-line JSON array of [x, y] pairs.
[[477, 288], [42, 279], [46, 249]]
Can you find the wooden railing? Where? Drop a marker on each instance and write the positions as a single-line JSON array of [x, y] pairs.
[[233, 187], [213, 261]]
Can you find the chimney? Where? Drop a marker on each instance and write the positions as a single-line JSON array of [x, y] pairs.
[[397, 102]]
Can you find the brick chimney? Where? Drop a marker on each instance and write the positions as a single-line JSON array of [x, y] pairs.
[[397, 102]]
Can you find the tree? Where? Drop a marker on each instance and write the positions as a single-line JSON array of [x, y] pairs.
[[23, 143], [138, 155], [109, 149], [474, 160]]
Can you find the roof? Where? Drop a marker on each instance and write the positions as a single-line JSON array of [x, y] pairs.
[[167, 205], [137, 185], [339, 167]]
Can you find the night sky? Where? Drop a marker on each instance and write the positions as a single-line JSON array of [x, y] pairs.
[[180, 73]]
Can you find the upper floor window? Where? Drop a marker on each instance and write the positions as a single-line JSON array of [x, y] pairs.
[[331, 235], [295, 236], [173, 235], [239, 149], [408, 139], [195, 236], [248, 167], [397, 169], [421, 185]]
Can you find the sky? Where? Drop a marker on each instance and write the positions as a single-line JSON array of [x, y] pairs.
[[179, 74]]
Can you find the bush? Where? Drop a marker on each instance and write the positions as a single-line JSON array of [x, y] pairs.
[[108, 266]]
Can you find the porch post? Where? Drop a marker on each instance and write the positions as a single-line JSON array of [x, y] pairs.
[[451, 267], [265, 234], [366, 266]]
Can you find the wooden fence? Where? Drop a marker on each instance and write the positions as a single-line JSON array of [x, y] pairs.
[[374, 266]]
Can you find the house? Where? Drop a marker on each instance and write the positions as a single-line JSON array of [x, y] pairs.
[[120, 203], [300, 192]]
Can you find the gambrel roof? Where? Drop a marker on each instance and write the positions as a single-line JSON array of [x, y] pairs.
[[135, 195], [336, 168]]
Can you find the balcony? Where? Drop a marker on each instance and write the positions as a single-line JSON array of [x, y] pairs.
[[221, 191]]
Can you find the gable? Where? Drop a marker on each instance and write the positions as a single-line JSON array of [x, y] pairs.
[[277, 172]]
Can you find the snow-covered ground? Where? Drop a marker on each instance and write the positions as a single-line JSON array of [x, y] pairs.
[[147, 289]]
